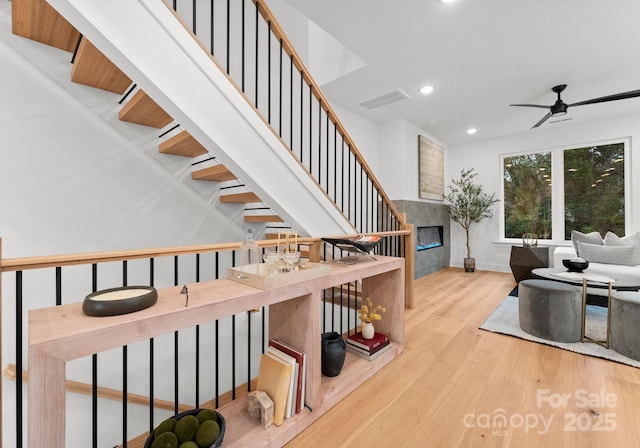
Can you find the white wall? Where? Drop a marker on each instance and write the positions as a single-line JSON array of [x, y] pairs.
[[69, 182], [365, 134], [484, 156], [398, 159]]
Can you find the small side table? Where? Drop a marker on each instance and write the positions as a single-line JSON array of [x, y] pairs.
[[524, 259]]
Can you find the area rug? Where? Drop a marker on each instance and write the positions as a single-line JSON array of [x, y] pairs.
[[505, 320]]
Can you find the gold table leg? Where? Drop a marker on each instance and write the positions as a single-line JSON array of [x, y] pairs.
[[585, 338]]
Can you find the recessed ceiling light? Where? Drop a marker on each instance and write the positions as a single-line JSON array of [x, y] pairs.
[[426, 90], [447, 1], [471, 131]]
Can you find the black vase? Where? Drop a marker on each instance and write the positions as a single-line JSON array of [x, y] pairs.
[[334, 349]]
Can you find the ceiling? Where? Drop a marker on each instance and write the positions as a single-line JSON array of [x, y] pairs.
[[483, 55]]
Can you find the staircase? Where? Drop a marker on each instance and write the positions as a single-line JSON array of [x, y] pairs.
[[37, 20], [357, 205]]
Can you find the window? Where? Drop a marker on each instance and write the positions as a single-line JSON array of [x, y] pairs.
[[527, 195], [588, 182], [594, 189]]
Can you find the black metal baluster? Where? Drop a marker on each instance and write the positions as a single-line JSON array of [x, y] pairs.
[[264, 326], [243, 49], [228, 37], [342, 178], [280, 93], [58, 286], [194, 16], [257, 52], [217, 362], [310, 129], [124, 396], [176, 360], [333, 314], [324, 310], [366, 203], [291, 102], [335, 163], [197, 382], [151, 353], [233, 357], [327, 154], [19, 376], [269, 71], [319, 143], [217, 339], [211, 31], [301, 113], [248, 351], [348, 182], [124, 370], [94, 371]]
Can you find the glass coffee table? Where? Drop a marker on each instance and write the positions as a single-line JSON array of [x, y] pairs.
[[586, 279]]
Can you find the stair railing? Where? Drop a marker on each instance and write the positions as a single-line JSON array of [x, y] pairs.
[[248, 43]]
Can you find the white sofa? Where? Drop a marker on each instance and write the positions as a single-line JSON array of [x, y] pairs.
[[610, 270], [607, 269]]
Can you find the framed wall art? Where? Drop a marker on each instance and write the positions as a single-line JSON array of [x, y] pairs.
[[431, 169]]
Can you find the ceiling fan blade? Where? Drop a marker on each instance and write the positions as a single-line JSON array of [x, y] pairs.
[[603, 99], [531, 105], [545, 118]]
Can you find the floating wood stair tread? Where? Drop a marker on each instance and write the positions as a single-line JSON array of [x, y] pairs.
[[216, 173], [240, 198], [141, 109], [262, 218], [182, 144], [37, 20], [92, 68]]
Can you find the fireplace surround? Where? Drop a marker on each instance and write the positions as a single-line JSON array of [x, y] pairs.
[[427, 214]]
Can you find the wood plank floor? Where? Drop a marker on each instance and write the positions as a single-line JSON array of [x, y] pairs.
[[454, 382]]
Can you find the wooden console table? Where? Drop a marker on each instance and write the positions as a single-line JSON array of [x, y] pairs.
[[63, 333]]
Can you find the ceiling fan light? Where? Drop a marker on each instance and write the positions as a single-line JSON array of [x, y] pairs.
[[559, 113]]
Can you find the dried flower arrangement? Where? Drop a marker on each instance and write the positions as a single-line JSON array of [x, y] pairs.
[[368, 312]]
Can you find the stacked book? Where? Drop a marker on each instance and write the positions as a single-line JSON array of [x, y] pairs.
[[368, 348], [282, 376]]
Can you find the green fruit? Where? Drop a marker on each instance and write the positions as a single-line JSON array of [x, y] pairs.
[[165, 440], [165, 426], [207, 433], [206, 414], [186, 428], [188, 444]]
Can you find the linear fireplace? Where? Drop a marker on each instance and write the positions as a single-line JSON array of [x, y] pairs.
[[429, 237]]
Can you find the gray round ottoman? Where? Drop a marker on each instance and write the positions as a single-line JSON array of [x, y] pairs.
[[550, 310], [625, 324]]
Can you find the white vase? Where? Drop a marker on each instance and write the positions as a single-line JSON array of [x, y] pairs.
[[367, 330]]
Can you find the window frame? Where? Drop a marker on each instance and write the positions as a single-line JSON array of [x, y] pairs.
[[557, 188]]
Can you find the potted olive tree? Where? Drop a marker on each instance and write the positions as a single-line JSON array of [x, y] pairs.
[[466, 203]]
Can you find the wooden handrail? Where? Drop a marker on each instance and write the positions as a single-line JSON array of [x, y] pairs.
[[29, 263], [287, 46]]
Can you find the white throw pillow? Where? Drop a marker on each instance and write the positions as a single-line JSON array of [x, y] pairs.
[[597, 253], [633, 240], [591, 238]]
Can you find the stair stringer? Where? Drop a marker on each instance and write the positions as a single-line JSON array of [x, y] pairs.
[[170, 66]]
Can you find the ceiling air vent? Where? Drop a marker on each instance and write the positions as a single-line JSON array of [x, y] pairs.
[[384, 99]]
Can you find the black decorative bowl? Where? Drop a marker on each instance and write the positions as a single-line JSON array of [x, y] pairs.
[[122, 300], [575, 265], [217, 443]]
